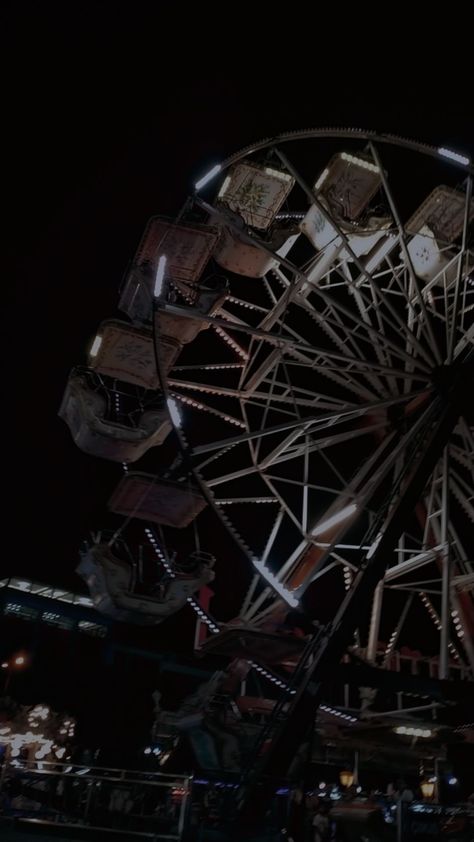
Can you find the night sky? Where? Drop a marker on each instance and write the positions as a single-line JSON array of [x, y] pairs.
[[103, 130]]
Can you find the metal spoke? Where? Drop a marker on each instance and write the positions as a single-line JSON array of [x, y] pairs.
[[323, 210], [463, 257], [406, 254]]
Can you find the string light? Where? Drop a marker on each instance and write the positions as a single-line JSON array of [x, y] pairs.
[[436, 620], [339, 713], [203, 408], [360, 162], [457, 623], [233, 344], [347, 578], [272, 678], [203, 616], [431, 611], [277, 586], [282, 176], [391, 643], [158, 552], [192, 602], [408, 731], [231, 500], [245, 304], [208, 366]]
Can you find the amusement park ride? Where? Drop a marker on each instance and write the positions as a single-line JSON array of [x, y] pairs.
[[300, 340]]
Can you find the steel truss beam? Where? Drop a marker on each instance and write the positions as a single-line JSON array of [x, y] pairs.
[[291, 730]]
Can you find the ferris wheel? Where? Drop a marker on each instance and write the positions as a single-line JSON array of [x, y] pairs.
[[304, 333]]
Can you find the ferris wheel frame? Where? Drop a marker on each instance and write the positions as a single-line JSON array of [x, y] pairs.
[[416, 361]]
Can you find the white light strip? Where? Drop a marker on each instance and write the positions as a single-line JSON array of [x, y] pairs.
[[321, 179], [208, 177], [346, 512], [224, 187], [160, 275], [174, 412], [453, 156], [277, 586], [95, 346]]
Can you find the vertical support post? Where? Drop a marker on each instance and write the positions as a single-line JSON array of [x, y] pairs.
[[375, 623], [185, 806], [329, 647], [5, 767], [462, 260], [400, 820], [90, 790], [436, 776], [446, 572]]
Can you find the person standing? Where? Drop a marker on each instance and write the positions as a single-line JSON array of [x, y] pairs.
[[320, 825]]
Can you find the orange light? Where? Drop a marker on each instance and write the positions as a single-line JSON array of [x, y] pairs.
[[427, 789], [346, 778]]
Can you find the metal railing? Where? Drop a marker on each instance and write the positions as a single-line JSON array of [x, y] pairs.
[[150, 805]]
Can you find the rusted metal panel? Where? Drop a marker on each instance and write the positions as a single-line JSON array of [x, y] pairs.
[[148, 497], [443, 212], [126, 353], [253, 644], [245, 259], [179, 328], [187, 247], [348, 183], [256, 193], [83, 410]]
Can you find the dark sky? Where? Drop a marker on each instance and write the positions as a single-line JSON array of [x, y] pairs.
[[109, 116], [104, 127]]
